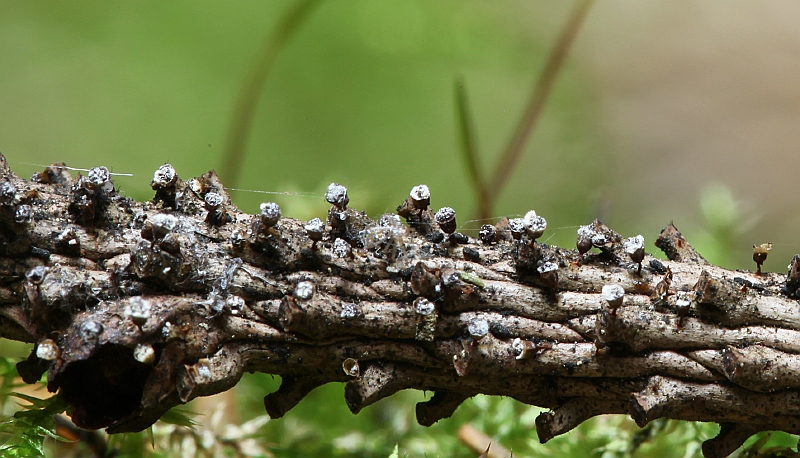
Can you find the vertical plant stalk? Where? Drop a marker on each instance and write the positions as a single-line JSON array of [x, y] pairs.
[[533, 110], [469, 142], [245, 105]]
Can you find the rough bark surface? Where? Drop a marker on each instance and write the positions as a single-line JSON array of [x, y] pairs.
[[137, 307]]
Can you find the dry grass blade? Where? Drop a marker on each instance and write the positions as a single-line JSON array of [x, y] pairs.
[[245, 105], [479, 442], [530, 116], [469, 143]]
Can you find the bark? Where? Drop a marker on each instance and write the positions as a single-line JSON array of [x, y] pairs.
[[138, 307]]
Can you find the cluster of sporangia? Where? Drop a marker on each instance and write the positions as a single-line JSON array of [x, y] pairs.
[[525, 231]]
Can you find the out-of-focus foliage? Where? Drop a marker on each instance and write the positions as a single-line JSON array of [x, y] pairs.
[[725, 221], [361, 95], [322, 426], [23, 434], [212, 438]]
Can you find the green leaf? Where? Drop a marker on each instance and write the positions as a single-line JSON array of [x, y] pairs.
[[37, 403], [472, 279], [8, 374], [40, 408], [181, 417], [29, 427]]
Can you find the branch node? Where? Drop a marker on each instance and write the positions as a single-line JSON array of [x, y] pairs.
[[442, 405], [571, 414], [376, 382], [731, 436], [291, 392], [677, 248]]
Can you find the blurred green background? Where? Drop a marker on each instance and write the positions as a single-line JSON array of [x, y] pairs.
[[363, 95], [683, 111]]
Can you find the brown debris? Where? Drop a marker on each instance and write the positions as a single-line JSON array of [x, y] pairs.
[[676, 247]]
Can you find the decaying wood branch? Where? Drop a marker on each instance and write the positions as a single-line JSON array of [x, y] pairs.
[[137, 307]]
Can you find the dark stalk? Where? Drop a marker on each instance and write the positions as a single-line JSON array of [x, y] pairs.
[[533, 110], [469, 143], [245, 105]]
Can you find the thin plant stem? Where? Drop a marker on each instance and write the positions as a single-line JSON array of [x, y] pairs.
[[469, 143], [245, 105], [533, 110]]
